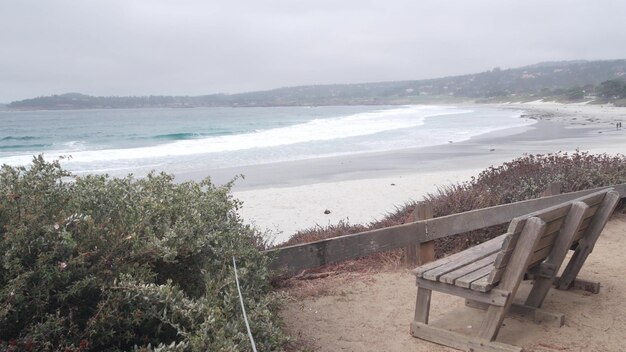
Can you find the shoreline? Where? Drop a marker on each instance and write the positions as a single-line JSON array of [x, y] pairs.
[[552, 127], [291, 196]]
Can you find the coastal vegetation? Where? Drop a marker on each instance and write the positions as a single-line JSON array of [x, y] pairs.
[[119, 264], [562, 81], [520, 179]]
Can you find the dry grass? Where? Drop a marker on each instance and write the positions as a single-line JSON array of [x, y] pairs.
[[520, 179]]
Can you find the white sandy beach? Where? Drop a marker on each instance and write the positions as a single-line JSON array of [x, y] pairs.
[[363, 188]]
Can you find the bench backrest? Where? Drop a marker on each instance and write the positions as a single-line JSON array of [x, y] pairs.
[[600, 208], [555, 219]]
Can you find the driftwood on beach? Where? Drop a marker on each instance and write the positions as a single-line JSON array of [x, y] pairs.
[[292, 259]]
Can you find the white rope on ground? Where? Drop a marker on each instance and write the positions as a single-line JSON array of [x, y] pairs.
[[243, 309]]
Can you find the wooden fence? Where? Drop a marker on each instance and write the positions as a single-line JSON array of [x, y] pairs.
[[291, 259]]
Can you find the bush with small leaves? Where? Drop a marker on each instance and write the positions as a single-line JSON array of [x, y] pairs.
[[122, 264]]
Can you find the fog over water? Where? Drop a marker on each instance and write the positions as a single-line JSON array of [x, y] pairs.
[[193, 47]]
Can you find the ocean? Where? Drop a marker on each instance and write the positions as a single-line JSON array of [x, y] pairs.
[[119, 142]]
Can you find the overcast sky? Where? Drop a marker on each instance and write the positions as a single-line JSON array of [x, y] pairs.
[[185, 47]]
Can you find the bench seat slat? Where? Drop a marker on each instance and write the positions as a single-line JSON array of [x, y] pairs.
[[450, 277], [482, 284], [473, 251], [481, 252], [466, 281]]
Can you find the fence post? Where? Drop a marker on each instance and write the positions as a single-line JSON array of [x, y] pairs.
[[420, 253], [552, 190], [427, 249]]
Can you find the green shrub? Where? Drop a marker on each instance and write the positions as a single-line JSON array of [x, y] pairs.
[[115, 264]]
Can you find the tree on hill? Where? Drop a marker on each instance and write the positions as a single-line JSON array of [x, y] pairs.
[[612, 89]]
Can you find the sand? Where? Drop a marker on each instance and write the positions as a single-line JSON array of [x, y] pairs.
[[287, 210], [291, 196], [372, 312]]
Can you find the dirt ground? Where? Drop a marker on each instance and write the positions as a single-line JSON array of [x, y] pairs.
[[372, 311]]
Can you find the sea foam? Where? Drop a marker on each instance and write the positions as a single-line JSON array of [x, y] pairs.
[[323, 129], [319, 134]]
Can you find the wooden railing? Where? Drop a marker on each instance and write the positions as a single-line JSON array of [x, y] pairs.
[[291, 259]]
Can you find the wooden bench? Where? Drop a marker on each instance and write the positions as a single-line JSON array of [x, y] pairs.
[[489, 274]]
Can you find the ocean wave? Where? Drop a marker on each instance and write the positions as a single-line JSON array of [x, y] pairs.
[[323, 129], [18, 138], [188, 135], [24, 146]]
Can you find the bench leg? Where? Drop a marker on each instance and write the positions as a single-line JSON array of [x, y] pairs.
[[492, 322], [580, 284], [422, 305], [539, 291], [573, 268]]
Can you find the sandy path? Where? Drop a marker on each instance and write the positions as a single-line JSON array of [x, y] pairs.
[[371, 312]]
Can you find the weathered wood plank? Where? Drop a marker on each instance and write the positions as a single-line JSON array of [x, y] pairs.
[[458, 341], [594, 198], [507, 248], [513, 274], [424, 252], [492, 244], [583, 228], [483, 284], [476, 219], [543, 270], [538, 315], [412, 252], [466, 281], [494, 297], [547, 241], [539, 256], [309, 255], [580, 284], [422, 305], [467, 257], [427, 252], [591, 211], [450, 277], [554, 226], [288, 260]]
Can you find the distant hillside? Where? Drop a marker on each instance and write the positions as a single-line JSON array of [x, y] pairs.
[[539, 80]]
